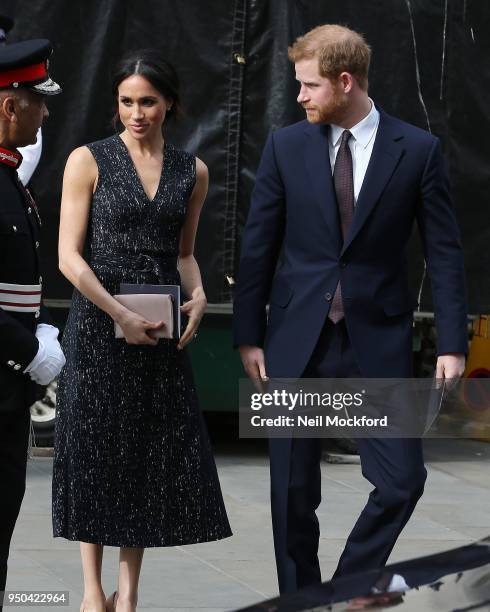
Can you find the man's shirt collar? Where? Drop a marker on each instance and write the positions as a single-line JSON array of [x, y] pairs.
[[362, 132]]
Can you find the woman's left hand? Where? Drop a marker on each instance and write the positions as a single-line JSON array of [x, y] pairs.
[[194, 309]]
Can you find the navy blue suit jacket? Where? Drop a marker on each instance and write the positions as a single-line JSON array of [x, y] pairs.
[[293, 256]]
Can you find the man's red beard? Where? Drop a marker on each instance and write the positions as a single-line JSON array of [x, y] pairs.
[[333, 112]]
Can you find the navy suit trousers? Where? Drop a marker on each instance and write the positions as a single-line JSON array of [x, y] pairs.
[[395, 468]]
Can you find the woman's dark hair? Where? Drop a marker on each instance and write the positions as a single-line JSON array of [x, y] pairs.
[[149, 64]]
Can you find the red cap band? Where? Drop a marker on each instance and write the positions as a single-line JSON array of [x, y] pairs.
[[36, 72]]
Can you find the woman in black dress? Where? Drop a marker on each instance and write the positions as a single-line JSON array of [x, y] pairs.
[[133, 467]]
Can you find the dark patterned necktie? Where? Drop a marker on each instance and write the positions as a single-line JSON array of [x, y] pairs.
[[344, 190]]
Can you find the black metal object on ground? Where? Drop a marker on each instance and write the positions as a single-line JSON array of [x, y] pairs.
[[451, 581]]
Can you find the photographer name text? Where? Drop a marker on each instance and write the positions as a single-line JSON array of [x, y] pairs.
[[319, 420]]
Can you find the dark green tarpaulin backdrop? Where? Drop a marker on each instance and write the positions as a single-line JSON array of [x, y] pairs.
[[430, 67]]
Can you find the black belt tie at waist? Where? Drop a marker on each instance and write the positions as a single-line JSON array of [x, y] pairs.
[[161, 266]]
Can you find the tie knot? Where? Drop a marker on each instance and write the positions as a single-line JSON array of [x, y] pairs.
[[345, 137]]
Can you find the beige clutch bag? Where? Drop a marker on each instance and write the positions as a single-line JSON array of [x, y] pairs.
[[153, 307]]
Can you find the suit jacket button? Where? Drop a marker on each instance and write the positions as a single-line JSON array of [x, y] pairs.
[[328, 296], [17, 366], [11, 363], [37, 244]]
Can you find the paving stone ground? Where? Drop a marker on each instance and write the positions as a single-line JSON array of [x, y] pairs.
[[226, 575]]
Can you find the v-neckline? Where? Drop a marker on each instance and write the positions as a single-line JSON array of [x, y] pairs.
[[135, 171]]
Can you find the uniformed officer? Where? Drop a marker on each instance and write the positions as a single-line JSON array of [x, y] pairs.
[[29, 349]]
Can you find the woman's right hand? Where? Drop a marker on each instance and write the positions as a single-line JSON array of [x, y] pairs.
[[136, 328]]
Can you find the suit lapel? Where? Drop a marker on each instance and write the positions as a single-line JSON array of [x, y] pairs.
[[317, 163], [386, 154]]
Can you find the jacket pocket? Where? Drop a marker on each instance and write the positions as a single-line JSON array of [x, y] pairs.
[[281, 294]]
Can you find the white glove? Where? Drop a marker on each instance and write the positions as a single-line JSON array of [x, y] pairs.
[[49, 359]]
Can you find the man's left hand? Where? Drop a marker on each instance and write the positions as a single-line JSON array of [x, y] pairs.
[[450, 366]]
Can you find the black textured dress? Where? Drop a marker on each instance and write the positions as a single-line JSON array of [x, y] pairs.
[[133, 465]]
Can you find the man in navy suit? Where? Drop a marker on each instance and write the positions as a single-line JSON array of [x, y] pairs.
[[335, 200]]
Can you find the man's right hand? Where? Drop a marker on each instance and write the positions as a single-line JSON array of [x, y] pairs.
[[253, 362]]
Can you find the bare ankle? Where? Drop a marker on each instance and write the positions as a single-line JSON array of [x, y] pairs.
[[93, 601], [126, 602]]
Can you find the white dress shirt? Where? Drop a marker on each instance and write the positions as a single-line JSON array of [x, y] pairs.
[[361, 145]]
